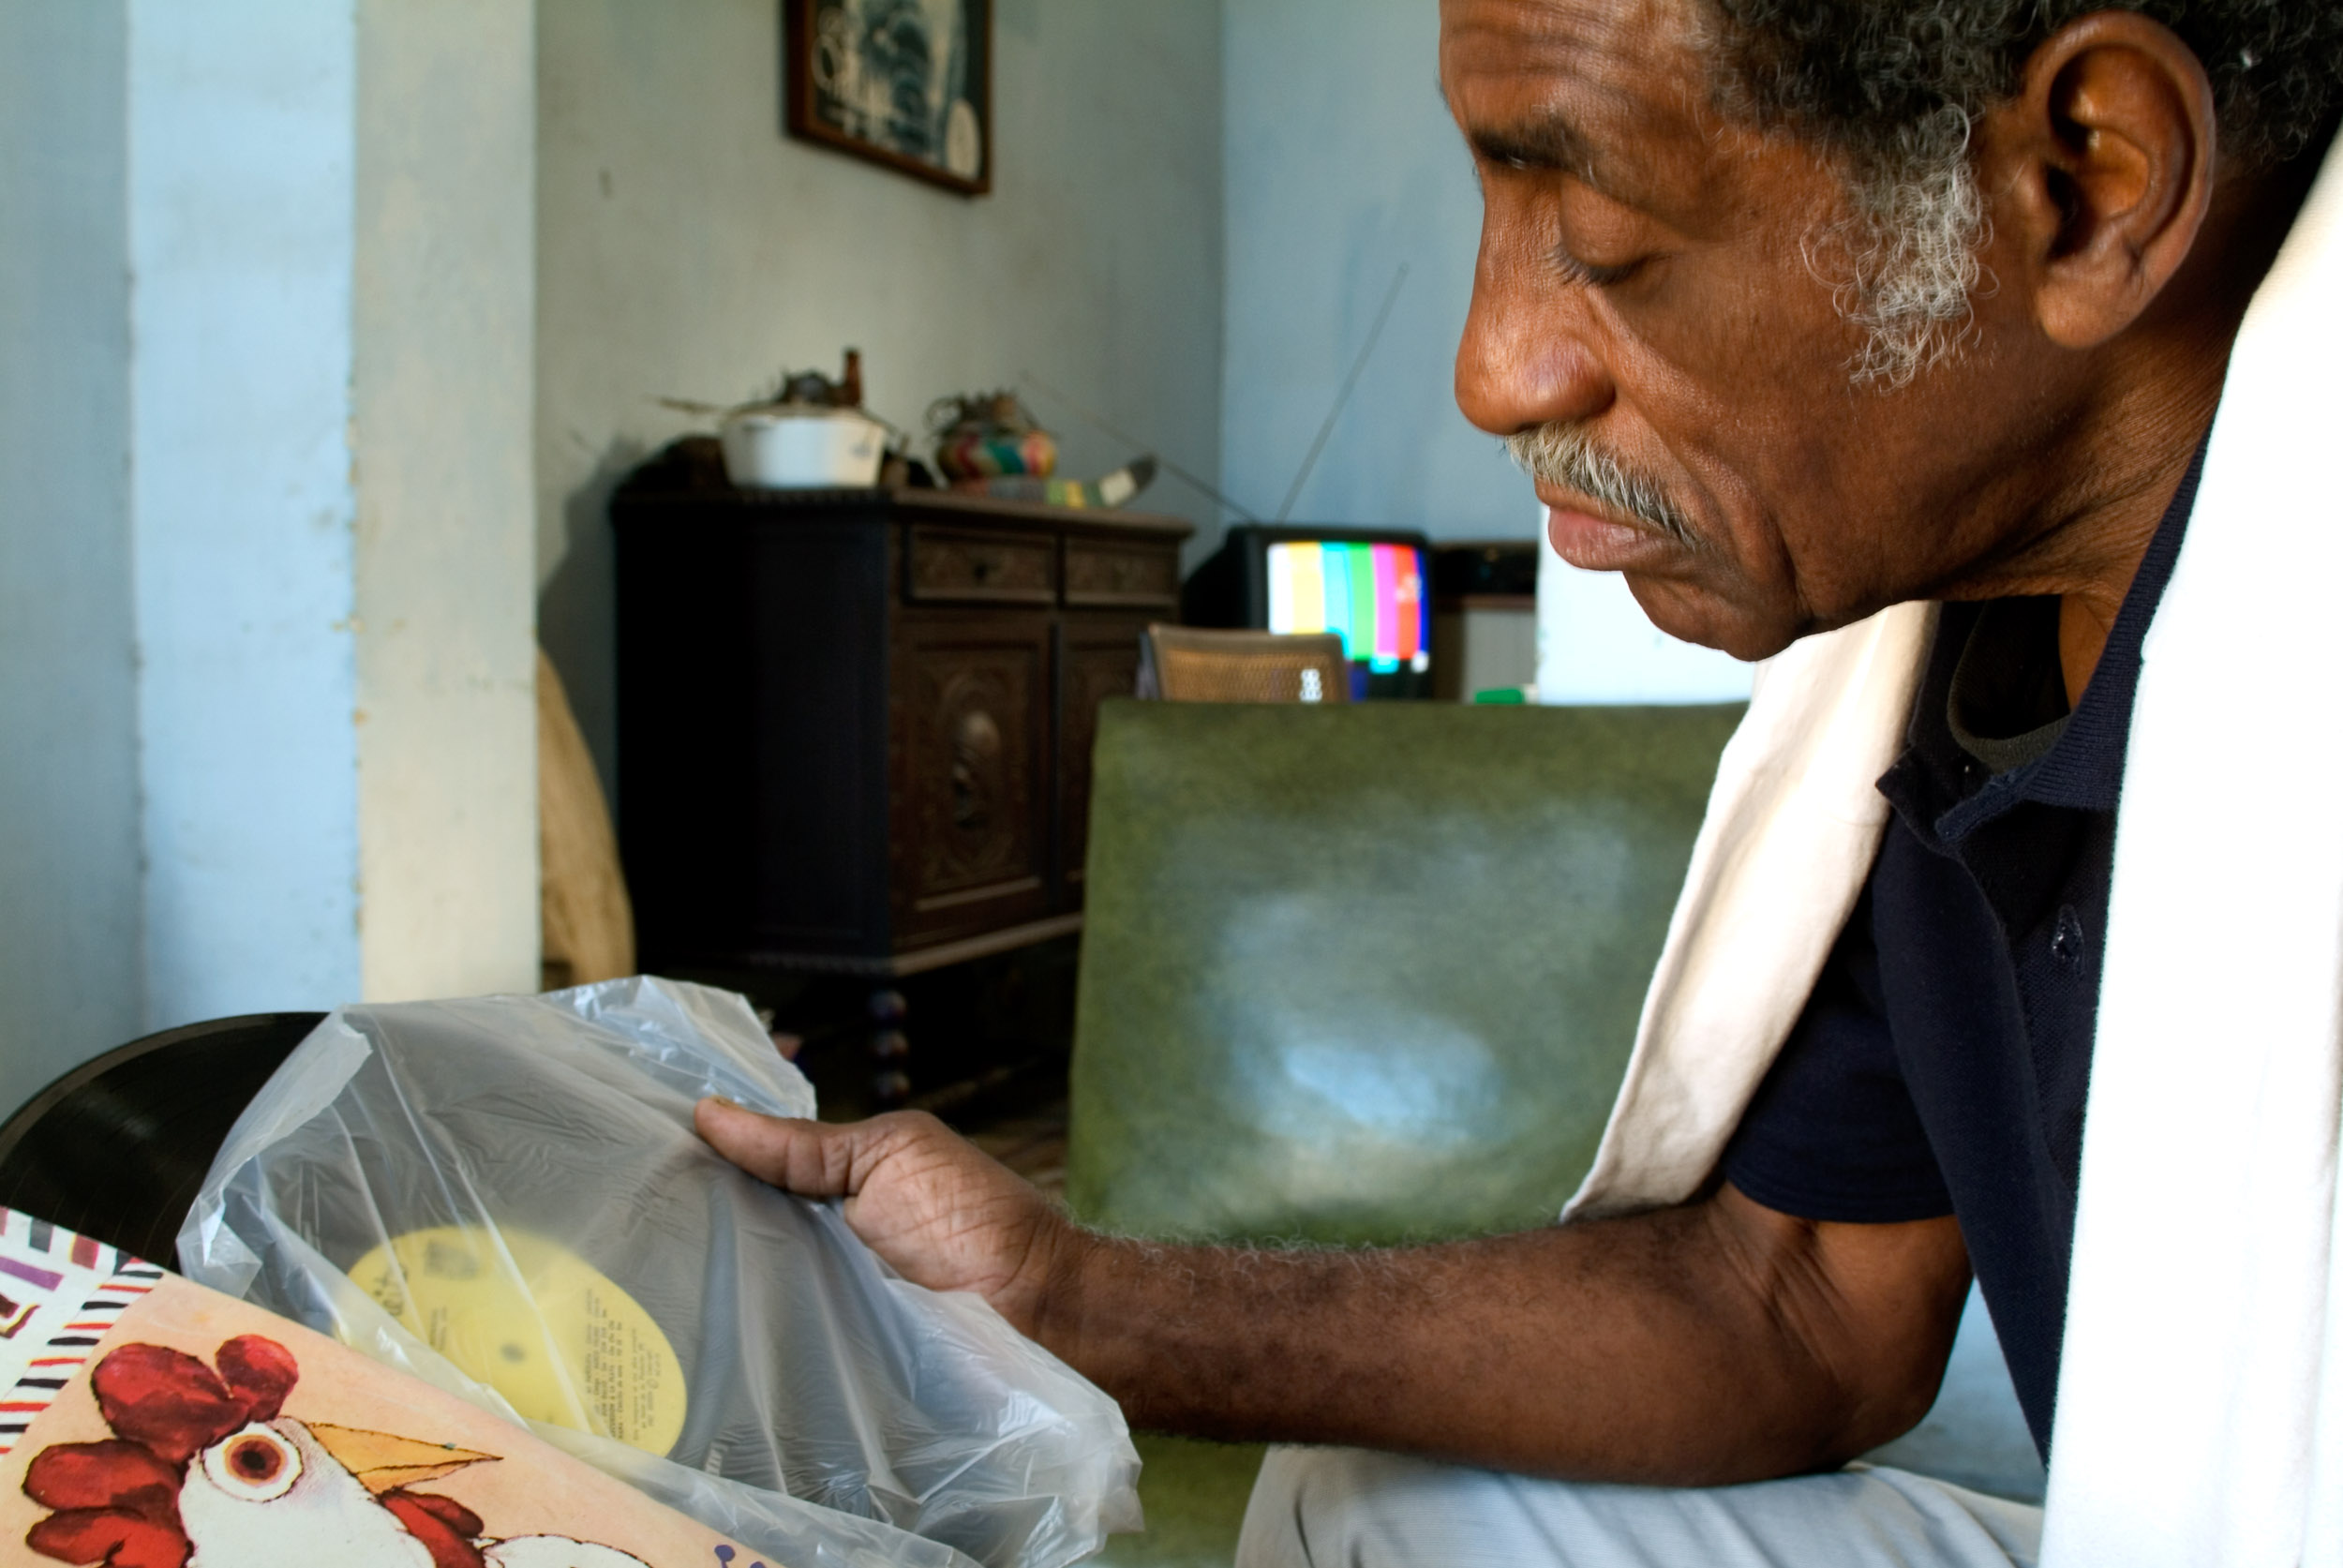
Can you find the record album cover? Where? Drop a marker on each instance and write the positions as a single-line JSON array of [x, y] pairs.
[[150, 1423]]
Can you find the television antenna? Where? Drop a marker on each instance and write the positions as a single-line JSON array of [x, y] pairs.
[[1034, 379], [1350, 384], [1294, 493]]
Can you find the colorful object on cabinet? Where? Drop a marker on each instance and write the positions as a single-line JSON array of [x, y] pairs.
[[988, 436], [1101, 494]]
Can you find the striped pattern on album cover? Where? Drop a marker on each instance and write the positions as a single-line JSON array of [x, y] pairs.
[[59, 1293]]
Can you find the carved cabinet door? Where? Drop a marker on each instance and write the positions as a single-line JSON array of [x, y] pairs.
[[971, 723]]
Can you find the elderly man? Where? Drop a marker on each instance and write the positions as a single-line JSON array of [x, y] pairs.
[[1894, 333]]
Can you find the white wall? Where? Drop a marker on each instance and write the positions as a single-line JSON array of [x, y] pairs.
[[1342, 165], [688, 247], [70, 981]]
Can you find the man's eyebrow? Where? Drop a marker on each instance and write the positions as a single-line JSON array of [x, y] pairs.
[[1549, 141]]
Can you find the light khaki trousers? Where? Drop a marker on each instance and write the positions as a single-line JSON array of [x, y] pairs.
[[1322, 1507]]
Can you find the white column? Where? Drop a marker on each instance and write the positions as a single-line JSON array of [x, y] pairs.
[[446, 566], [330, 217]]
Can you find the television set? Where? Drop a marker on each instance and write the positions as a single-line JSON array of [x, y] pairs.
[[1368, 585]]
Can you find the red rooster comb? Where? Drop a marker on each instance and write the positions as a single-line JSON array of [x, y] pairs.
[[117, 1502], [176, 1405]]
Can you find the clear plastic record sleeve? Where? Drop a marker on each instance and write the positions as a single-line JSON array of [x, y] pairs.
[[505, 1198]]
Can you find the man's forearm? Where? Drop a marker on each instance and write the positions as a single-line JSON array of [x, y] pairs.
[[1718, 1341], [1670, 1347]]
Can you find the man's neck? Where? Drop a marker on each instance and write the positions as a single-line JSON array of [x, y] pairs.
[[2119, 483], [2084, 628], [2091, 597]]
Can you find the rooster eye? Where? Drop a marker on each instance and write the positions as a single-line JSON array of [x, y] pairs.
[[257, 1465], [255, 1460]]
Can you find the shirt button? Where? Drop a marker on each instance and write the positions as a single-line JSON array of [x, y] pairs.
[[2067, 938]]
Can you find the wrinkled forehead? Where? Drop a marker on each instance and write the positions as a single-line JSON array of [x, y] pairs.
[[1617, 95], [1545, 34]]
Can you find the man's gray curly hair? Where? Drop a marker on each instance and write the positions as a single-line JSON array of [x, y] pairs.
[[1896, 87]]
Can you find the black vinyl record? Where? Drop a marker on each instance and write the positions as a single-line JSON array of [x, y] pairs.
[[116, 1148]]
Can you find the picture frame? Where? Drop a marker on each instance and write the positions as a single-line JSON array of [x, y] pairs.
[[903, 84]]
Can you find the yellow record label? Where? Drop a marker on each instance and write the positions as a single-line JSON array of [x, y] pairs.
[[536, 1322]]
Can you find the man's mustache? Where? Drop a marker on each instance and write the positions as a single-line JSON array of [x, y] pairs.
[[1564, 457]]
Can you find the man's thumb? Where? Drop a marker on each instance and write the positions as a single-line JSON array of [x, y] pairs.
[[814, 1159]]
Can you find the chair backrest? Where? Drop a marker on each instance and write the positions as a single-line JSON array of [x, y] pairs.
[[1188, 664], [1367, 973], [116, 1148]]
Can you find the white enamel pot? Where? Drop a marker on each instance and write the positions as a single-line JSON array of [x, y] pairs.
[[792, 448]]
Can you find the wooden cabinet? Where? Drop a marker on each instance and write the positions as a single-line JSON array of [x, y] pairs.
[[855, 725]]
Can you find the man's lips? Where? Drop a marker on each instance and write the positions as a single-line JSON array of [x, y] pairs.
[[1594, 542]]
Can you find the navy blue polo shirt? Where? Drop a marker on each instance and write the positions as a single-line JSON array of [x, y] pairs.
[[1941, 1064]]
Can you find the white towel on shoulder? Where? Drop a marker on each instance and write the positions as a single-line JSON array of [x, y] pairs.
[[2200, 1389]]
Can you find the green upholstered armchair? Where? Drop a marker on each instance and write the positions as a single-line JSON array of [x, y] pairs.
[[1361, 973]]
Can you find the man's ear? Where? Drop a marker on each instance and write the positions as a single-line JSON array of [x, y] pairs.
[[2105, 162]]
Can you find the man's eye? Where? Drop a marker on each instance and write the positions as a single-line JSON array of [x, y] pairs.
[[1574, 270]]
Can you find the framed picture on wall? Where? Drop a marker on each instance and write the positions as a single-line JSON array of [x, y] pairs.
[[904, 82]]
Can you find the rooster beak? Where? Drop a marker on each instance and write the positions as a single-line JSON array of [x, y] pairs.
[[383, 1463]]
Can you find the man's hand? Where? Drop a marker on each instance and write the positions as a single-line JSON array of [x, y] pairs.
[[942, 1213]]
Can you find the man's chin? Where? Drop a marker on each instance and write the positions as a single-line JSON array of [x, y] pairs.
[[1690, 613]]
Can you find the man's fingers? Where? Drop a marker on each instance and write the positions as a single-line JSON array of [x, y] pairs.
[[814, 1159], [943, 1214]]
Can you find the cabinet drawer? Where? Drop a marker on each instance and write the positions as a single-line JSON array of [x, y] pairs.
[[1107, 572], [948, 565]]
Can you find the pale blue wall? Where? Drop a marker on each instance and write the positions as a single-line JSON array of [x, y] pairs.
[[242, 126], [70, 982], [1342, 165]]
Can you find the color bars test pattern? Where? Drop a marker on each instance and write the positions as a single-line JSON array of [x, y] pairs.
[[1370, 595]]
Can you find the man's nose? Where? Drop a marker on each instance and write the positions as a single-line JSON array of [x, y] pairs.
[[1529, 354]]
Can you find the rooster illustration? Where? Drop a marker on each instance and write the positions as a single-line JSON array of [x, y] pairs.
[[204, 1471]]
